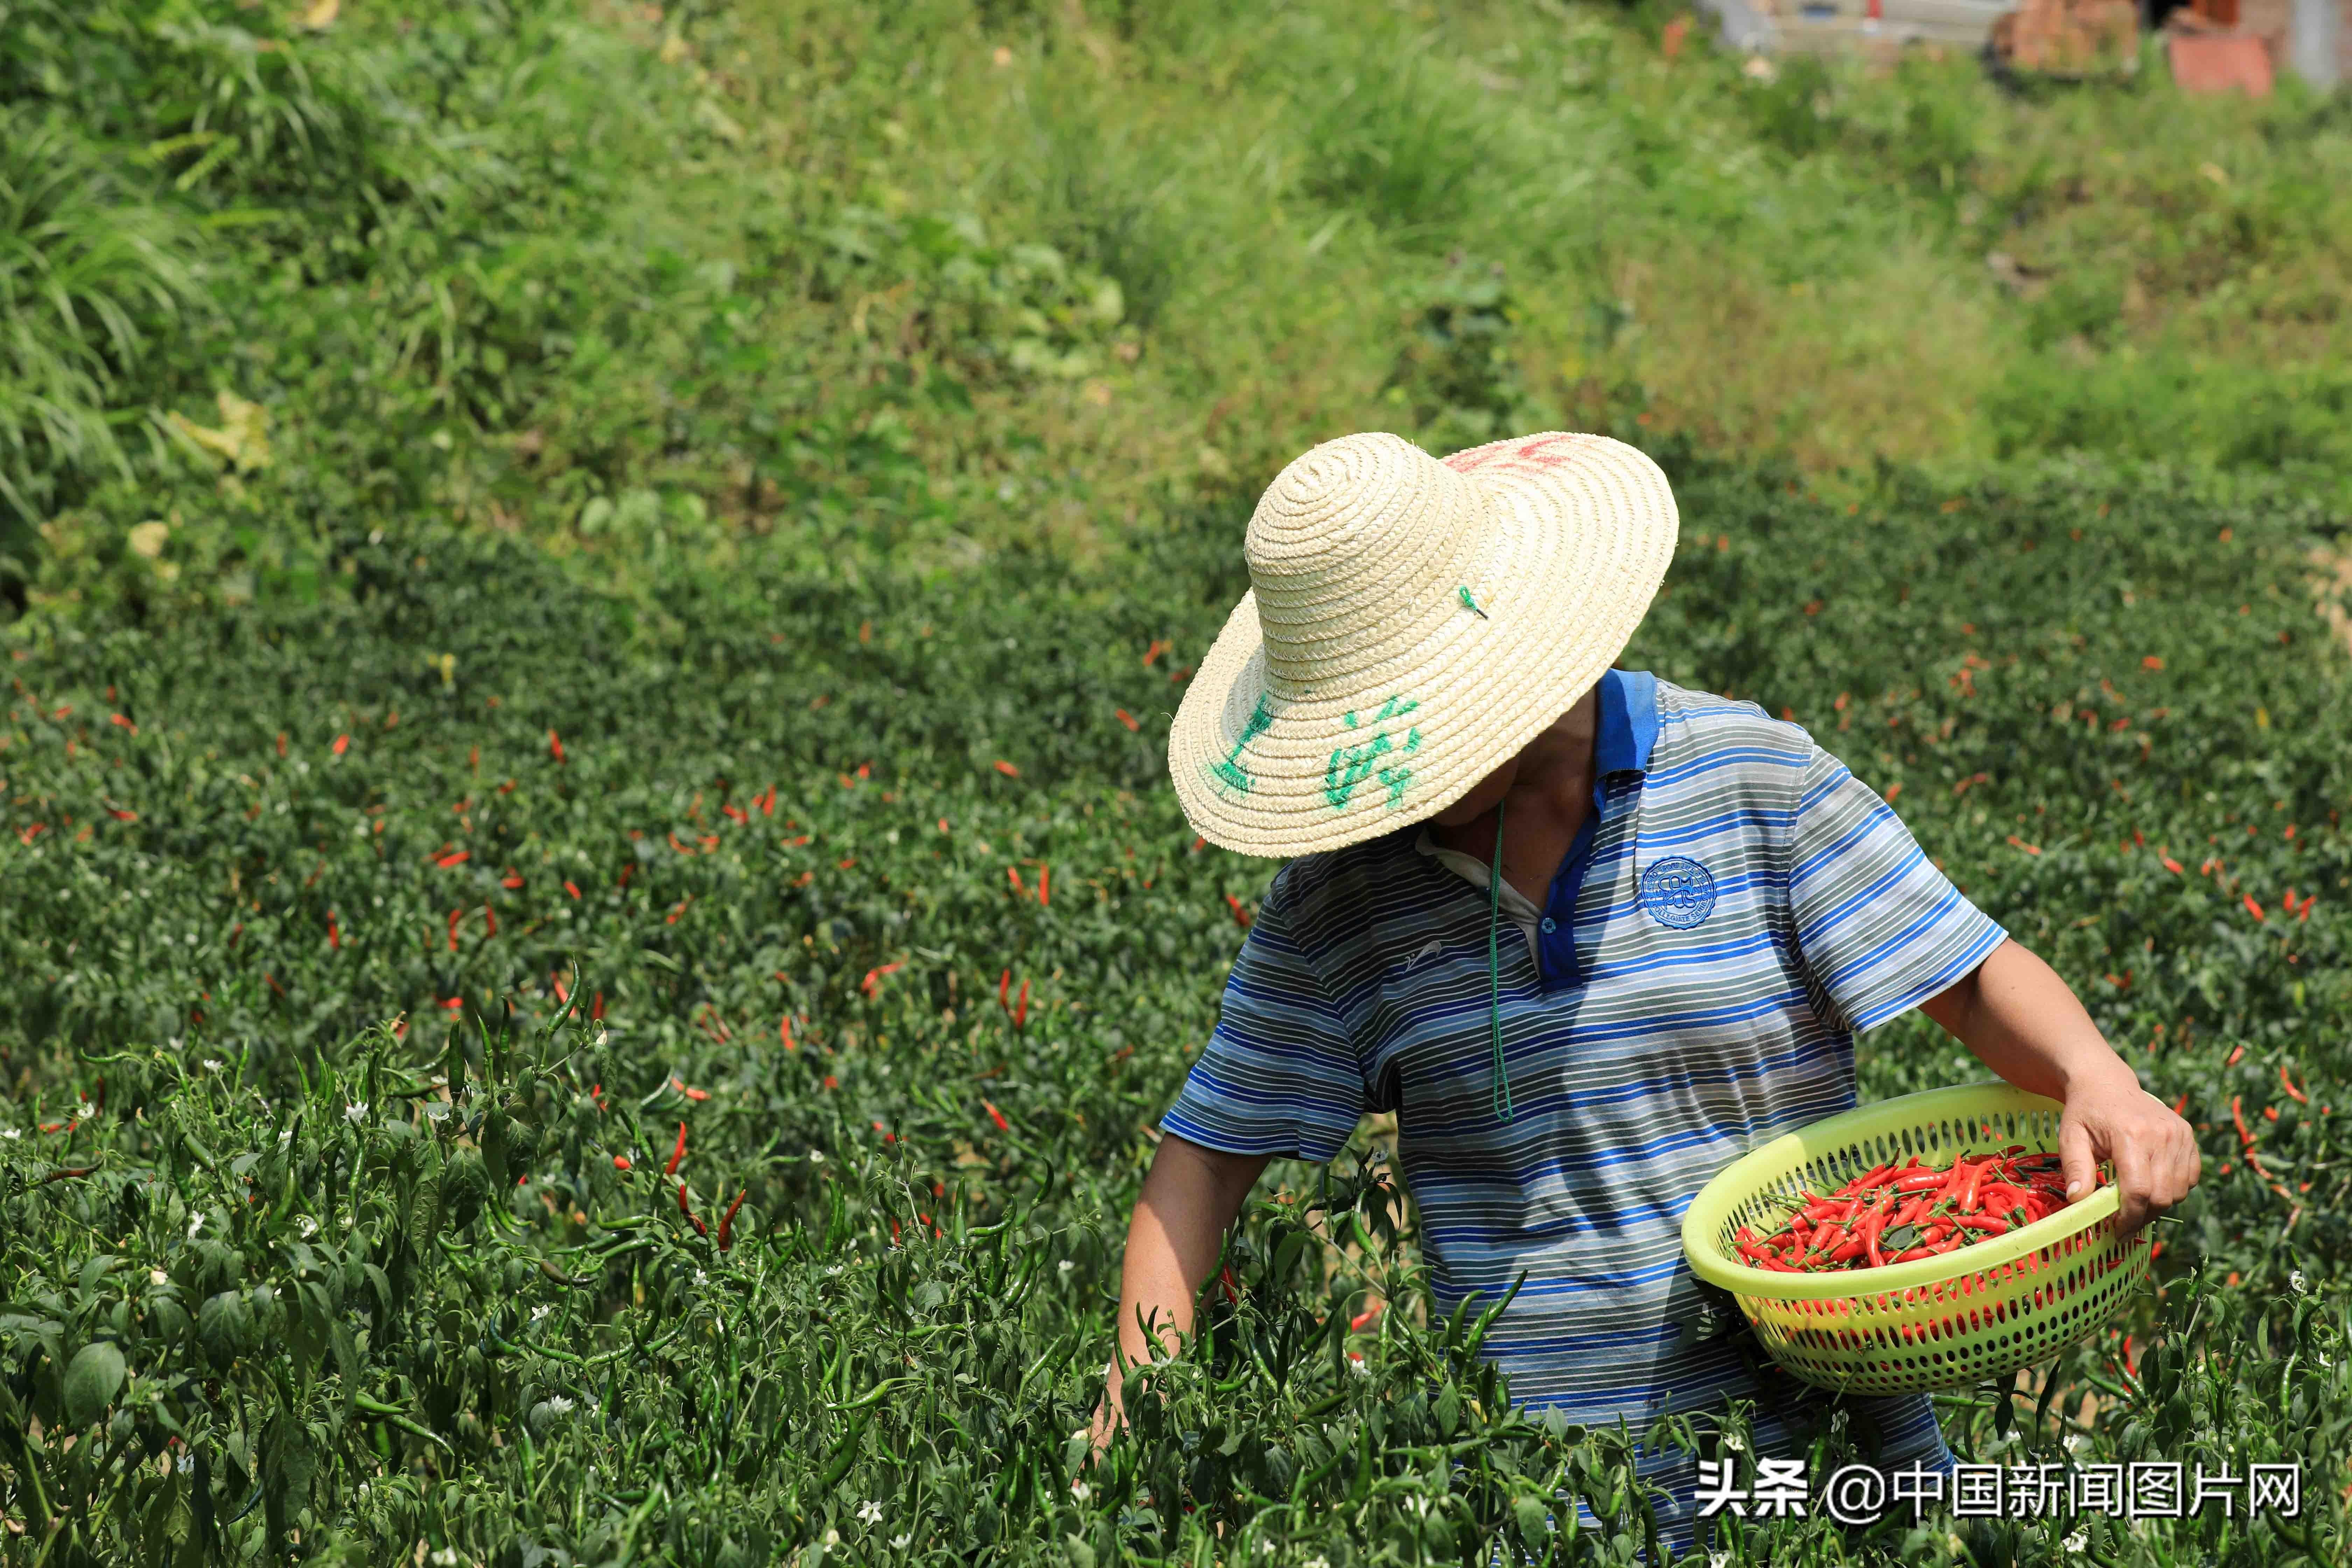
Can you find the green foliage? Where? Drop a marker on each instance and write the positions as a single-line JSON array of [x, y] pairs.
[[1457, 374], [355, 1224], [431, 865], [1387, 132]]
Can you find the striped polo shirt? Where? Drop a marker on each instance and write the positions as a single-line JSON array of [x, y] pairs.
[[1737, 906]]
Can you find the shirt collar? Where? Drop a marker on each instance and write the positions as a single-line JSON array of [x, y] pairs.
[[1629, 722]]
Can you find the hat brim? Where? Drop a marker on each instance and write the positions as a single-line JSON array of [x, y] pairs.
[[1578, 533]]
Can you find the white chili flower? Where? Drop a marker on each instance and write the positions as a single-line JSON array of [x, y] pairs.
[[309, 1228], [211, 1064], [540, 1312], [898, 1542], [187, 1463], [355, 1112], [195, 1224], [869, 1511], [1735, 1442], [1317, 1562], [157, 1276], [2076, 1542], [832, 1537], [447, 1557], [12, 1133], [1080, 1491], [816, 1156], [2300, 1284], [1718, 1559], [701, 1277], [286, 1137], [558, 1405], [1066, 1265]]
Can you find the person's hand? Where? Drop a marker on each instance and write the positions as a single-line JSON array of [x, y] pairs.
[[1108, 1414], [2154, 1152]]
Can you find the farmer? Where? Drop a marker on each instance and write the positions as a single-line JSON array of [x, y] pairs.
[[1589, 935]]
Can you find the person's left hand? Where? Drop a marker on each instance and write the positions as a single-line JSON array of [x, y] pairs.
[[2154, 1152]]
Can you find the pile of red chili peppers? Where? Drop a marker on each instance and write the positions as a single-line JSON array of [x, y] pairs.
[[1898, 1214]]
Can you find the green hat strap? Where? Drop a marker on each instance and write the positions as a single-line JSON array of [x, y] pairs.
[[1495, 972]]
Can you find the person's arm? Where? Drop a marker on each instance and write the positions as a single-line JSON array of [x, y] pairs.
[[1191, 1197], [2023, 1023]]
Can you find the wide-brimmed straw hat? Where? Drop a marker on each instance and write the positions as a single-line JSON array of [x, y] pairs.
[[1411, 624]]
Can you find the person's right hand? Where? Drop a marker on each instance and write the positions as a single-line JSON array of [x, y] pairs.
[[1190, 1195]]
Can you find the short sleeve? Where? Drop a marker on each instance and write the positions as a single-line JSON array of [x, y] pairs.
[[1878, 925], [1280, 1075]]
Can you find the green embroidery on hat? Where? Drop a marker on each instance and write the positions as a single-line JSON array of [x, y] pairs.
[[1351, 765], [1230, 770]]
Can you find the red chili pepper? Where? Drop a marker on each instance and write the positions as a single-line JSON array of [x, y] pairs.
[[455, 916], [1921, 1181], [2254, 908], [726, 1221], [342, 744], [2293, 1093], [600, 1008], [1003, 992], [2238, 1115], [1127, 718], [996, 1116], [1990, 1225], [334, 938], [1044, 878], [620, 1161], [785, 1032], [677, 1155], [555, 745], [1232, 1292], [1021, 1008]]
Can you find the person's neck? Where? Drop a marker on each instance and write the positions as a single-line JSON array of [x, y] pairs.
[[1554, 784], [1550, 796]]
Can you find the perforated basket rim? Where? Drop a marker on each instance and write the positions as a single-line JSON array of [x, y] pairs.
[[1711, 1210]]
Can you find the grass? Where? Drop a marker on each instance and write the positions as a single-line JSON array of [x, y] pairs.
[[605, 264]]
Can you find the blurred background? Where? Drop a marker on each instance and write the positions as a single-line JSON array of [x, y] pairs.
[[635, 278]]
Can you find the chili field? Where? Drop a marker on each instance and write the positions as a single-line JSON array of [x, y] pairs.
[[500, 1075], [592, 928]]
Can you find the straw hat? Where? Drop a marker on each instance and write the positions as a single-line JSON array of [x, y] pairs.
[[1411, 626]]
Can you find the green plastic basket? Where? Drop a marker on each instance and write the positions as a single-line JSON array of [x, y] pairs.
[[1978, 1312]]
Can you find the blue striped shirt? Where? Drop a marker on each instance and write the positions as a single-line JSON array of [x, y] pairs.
[[1735, 909]]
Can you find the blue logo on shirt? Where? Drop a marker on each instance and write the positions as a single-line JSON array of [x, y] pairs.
[[1678, 892]]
